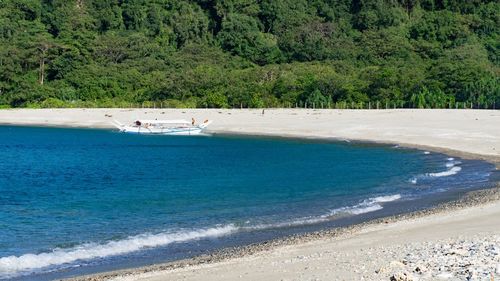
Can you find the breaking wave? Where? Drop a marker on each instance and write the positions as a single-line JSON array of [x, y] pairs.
[[452, 169], [12, 265], [17, 265], [452, 163], [367, 206]]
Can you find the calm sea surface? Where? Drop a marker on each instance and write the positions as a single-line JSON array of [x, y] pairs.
[[77, 201]]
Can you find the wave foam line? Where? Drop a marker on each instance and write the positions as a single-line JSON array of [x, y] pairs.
[[452, 164], [366, 206], [297, 222], [453, 169], [384, 199], [13, 264]]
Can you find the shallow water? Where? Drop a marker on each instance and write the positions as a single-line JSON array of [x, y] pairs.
[[75, 201]]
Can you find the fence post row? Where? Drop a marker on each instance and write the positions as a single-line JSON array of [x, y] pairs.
[[330, 105]]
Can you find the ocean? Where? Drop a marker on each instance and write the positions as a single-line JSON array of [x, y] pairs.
[[79, 201]]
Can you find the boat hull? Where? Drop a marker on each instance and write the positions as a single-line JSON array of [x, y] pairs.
[[162, 131], [183, 130]]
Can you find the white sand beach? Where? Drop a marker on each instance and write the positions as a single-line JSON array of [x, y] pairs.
[[447, 245], [470, 131]]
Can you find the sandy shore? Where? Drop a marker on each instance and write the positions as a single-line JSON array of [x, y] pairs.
[[471, 131], [451, 243]]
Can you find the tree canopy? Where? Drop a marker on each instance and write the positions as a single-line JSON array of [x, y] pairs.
[[232, 53]]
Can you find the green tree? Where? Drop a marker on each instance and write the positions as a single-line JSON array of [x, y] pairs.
[[240, 35], [189, 24]]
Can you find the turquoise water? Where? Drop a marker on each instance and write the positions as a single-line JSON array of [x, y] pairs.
[[77, 201]]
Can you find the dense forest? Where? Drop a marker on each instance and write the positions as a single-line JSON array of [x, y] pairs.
[[250, 53]]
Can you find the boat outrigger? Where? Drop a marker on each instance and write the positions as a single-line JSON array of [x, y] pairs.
[[163, 127]]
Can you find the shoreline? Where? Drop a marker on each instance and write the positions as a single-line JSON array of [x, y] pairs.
[[450, 152], [471, 201], [105, 123], [386, 126]]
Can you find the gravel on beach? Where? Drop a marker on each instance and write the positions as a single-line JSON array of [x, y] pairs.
[[471, 258]]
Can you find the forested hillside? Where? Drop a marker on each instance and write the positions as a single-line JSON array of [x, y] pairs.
[[260, 53]]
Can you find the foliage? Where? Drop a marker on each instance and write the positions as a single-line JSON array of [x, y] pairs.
[[247, 53]]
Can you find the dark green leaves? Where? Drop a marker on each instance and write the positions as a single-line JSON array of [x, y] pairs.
[[233, 53]]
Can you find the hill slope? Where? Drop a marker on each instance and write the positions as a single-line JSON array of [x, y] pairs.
[[223, 53]]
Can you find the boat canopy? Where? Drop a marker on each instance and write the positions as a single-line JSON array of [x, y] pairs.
[[164, 121]]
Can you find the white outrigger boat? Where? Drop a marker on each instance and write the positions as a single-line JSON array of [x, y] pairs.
[[163, 127]]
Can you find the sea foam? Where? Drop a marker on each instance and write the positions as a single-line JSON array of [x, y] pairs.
[[387, 198], [452, 163], [453, 169], [367, 206], [12, 265]]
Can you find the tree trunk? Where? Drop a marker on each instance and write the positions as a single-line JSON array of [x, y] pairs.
[[43, 50], [42, 70]]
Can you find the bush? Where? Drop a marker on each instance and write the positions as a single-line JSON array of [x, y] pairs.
[[52, 103], [215, 99]]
